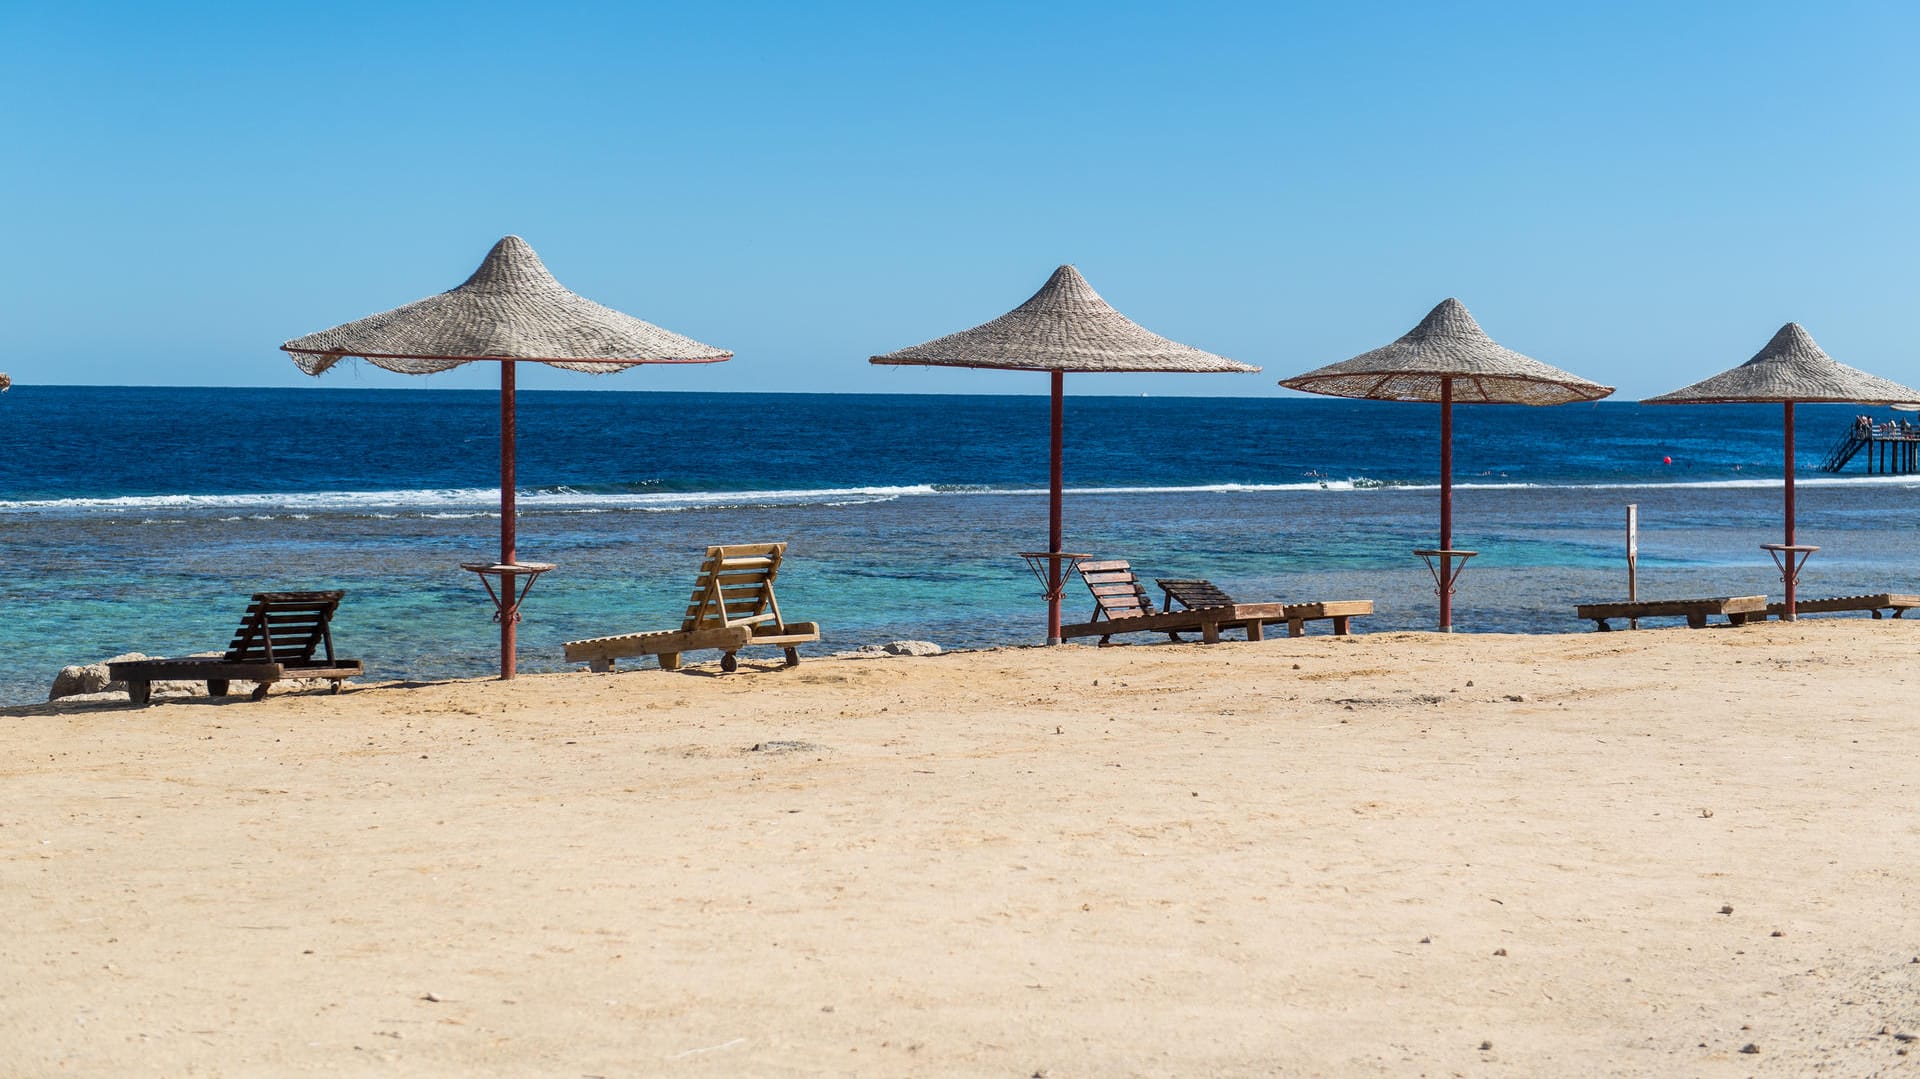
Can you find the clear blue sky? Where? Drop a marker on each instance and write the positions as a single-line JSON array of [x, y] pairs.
[[1641, 193]]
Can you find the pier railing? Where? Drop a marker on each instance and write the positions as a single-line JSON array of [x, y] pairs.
[[1892, 447]]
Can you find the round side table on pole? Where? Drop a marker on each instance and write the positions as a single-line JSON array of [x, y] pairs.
[[507, 598]]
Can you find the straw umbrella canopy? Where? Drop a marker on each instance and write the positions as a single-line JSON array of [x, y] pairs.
[[1791, 368], [1064, 327], [510, 310], [1448, 358]]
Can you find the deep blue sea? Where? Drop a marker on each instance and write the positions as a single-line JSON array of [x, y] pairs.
[[141, 518]]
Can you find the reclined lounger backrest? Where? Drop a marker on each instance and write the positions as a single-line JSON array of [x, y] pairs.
[[285, 627]]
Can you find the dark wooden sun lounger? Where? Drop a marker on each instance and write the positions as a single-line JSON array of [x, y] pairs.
[[1198, 594], [278, 639], [1121, 605], [1208, 622], [1738, 610], [1873, 603]]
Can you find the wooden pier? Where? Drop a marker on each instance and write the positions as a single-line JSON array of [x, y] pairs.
[[1893, 447]]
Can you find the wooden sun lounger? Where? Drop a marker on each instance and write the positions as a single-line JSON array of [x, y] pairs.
[[732, 606], [277, 639], [1874, 603], [1250, 617], [1197, 594], [1121, 605], [1738, 610]]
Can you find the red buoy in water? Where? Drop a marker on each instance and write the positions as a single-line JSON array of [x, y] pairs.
[[1666, 460]]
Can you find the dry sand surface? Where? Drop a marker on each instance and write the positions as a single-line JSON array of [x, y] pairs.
[[1395, 854]]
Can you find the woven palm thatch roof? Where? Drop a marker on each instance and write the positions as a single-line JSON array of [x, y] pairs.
[[1065, 326], [1791, 368], [510, 309], [1448, 343]]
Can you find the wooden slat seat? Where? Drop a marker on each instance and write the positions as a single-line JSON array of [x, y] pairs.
[[1192, 594], [1198, 594], [282, 635], [1737, 610], [731, 607], [1896, 602], [1340, 612]]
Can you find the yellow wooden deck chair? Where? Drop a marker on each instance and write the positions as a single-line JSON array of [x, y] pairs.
[[732, 607]]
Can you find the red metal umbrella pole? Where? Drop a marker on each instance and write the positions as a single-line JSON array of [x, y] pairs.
[[508, 612], [1790, 571], [1054, 482], [1446, 505], [1789, 464]]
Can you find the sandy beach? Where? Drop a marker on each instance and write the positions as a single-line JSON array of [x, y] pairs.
[[1661, 853]]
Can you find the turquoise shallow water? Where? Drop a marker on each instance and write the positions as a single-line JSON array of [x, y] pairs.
[[145, 516]]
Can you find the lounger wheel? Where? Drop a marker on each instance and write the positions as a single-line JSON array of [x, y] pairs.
[[140, 693], [336, 687], [216, 687], [729, 662], [260, 692]]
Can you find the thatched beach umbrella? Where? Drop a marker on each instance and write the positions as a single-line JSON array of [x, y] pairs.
[[511, 309], [1791, 368], [1448, 358], [1064, 327]]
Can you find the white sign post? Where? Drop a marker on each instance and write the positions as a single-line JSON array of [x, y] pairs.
[[1633, 559]]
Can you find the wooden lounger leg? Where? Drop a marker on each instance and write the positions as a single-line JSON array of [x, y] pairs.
[[1342, 625], [1876, 613], [216, 687], [1209, 633], [600, 665], [1696, 620], [260, 691], [729, 662], [1600, 624], [669, 661], [1296, 627], [793, 656], [1255, 632], [336, 687], [139, 692]]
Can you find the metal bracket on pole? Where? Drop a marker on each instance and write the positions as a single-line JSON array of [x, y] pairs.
[[1042, 564], [1446, 575], [507, 599], [1047, 569], [1790, 559]]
